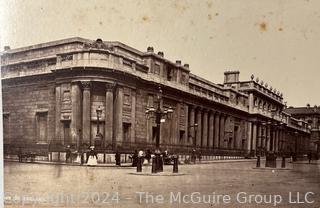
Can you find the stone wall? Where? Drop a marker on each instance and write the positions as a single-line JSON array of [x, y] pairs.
[[23, 102]]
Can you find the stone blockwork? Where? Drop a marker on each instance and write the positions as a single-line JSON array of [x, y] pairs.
[[29, 104], [80, 92]]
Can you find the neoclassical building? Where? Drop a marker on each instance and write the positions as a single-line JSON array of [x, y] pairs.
[[311, 115], [82, 92]]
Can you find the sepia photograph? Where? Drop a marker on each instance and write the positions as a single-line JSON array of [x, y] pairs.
[[172, 103]]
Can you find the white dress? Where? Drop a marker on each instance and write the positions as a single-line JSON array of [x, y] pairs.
[[92, 160]]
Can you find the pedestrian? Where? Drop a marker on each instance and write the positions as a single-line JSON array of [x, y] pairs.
[[141, 156], [134, 158], [68, 153], [310, 157], [200, 157], [118, 158], [193, 156], [148, 156], [92, 159]]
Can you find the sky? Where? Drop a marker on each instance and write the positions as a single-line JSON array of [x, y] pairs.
[[275, 40]]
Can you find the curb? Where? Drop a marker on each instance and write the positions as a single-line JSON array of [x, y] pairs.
[[158, 174]]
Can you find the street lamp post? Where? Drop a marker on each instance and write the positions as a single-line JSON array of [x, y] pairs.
[[159, 114]]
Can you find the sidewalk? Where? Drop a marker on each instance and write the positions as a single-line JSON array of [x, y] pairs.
[[126, 165], [306, 162], [123, 165]]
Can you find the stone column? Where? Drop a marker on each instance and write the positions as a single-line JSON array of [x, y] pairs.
[[58, 129], [222, 128], [118, 128], [249, 136], [204, 142], [186, 135], [269, 135], [176, 125], [254, 136], [216, 130], [259, 138], [280, 139], [86, 113], [76, 113], [274, 141], [108, 127], [211, 130], [199, 131], [149, 122], [191, 126], [133, 116]]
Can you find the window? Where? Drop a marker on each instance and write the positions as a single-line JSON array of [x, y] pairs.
[[157, 69], [169, 74], [181, 136], [42, 127], [126, 132], [66, 133]]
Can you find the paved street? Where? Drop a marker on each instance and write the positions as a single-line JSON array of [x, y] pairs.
[[73, 186]]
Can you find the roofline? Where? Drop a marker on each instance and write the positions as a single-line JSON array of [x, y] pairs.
[[47, 44]]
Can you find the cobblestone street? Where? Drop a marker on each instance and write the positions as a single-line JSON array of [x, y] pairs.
[[45, 185]]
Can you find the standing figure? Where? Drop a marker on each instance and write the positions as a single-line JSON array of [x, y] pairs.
[[148, 156], [68, 154], [193, 156], [92, 159], [200, 157], [310, 157], [118, 158], [134, 158], [141, 156]]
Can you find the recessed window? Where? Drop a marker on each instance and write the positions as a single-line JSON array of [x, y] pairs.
[[42, 127]]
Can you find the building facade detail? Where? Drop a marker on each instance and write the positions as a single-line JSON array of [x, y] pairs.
[[81, 92]]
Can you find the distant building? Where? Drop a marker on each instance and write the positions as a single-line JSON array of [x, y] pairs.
[[54, 92], [311, 115]]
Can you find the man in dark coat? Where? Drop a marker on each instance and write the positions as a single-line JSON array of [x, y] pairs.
[[118, 158], [134, 158]]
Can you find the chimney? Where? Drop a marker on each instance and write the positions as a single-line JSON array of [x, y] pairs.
[[160, 53], [186, 66], [178, 62], [231, 77], [150, 49], [6, 48]]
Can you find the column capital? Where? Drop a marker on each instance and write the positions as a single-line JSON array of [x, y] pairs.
[[217, 113], [86, 85], [110, 86]]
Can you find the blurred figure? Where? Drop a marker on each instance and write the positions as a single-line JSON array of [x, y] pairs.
[[148, 156], [118, 158], [93, 158], [193, 156], [68, 154], [310, 157], [134, 158]]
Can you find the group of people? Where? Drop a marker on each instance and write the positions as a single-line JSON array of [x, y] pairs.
[[91, 156], [140, 156]]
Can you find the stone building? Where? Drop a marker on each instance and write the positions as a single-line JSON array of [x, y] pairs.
[[81, 92], [311, 115]]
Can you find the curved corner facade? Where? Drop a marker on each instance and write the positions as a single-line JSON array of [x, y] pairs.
[[52, 93]]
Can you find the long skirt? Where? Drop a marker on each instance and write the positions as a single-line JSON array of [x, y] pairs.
[[92, 161]]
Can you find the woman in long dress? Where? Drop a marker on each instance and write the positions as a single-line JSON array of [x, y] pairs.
[[92, 160]]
